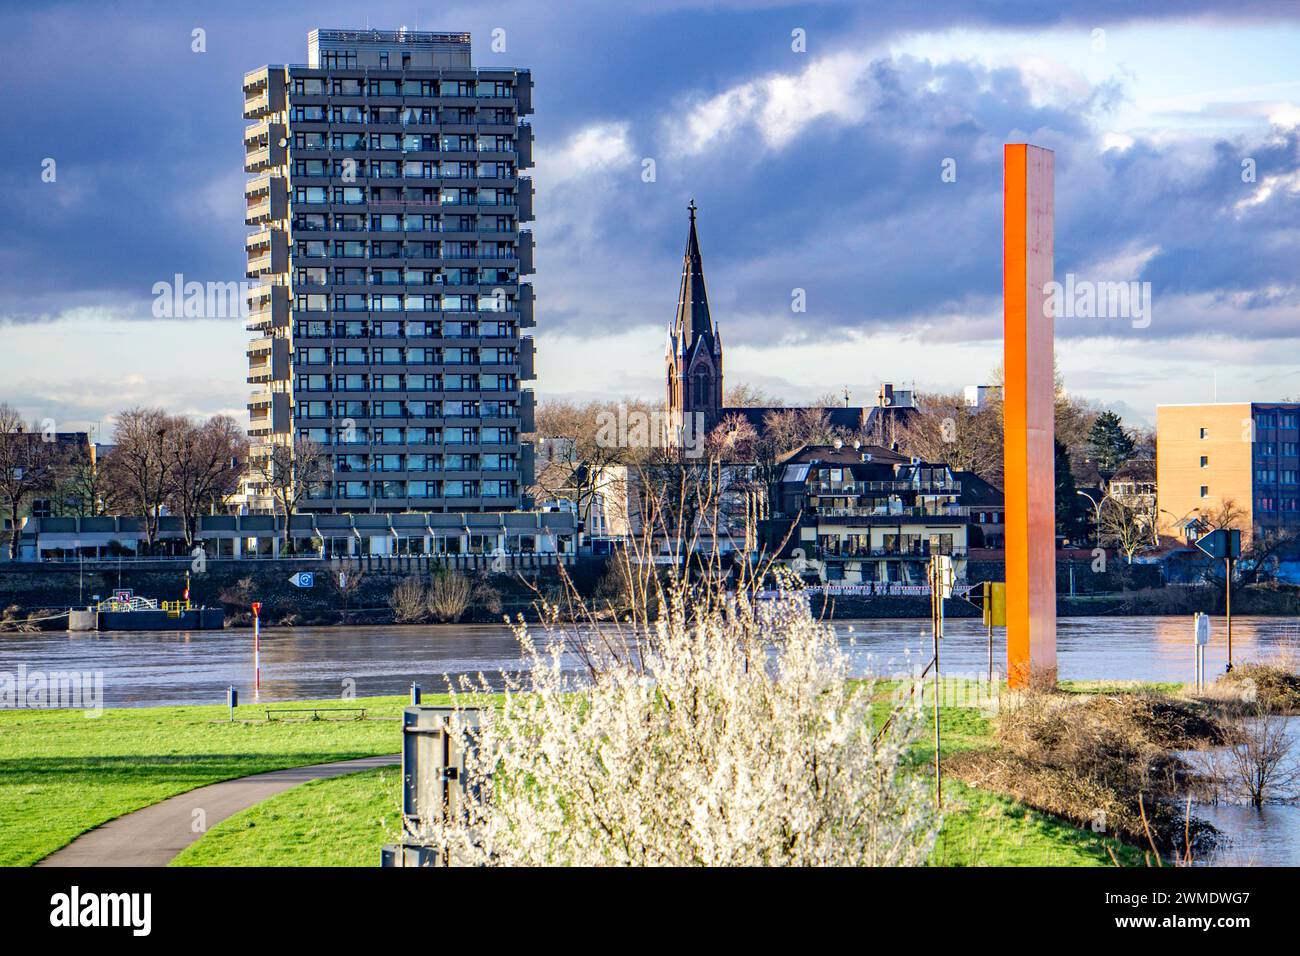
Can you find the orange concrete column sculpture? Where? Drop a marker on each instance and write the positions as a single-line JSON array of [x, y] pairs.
[[1028, 421]]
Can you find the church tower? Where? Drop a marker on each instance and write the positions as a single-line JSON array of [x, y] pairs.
[[694, 353]]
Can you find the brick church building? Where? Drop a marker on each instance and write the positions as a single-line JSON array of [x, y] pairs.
[[693, 360]]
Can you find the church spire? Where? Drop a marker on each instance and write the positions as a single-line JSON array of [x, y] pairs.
[[694, 355], [693, 320]]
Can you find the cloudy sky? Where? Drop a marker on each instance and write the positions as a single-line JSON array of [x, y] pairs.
[[818, 170]]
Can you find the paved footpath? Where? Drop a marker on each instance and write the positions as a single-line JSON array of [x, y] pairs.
[[153, 835]]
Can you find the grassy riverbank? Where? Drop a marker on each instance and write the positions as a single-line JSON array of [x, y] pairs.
[[338, 822], [344, 821], [62, 773]]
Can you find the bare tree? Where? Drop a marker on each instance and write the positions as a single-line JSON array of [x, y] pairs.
[[586, 443], [1256, 765], [782, 431], [27, 466], [141, 464], [946, 429], [1124, 526], [734, 439], [1260, 559], [449, 596], [743, 395], [207, 461], [291, 473], [348, 583], [1072, 421], [789, 429], [409, 600], [1226, 516], [86, 489]]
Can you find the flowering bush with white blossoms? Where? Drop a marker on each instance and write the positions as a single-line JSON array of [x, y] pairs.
[[722, 732]]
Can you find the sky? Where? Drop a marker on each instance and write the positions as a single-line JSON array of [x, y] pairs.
[[857, 171]]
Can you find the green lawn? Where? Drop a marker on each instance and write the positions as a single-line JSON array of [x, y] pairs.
[[62, 773], [1121, 687], [985, 829], [342, 821]]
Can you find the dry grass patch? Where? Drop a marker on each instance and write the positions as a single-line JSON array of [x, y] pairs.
[[1102, 762], [1274, 687]]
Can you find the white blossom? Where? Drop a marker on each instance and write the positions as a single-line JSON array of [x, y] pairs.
[[720, 733]]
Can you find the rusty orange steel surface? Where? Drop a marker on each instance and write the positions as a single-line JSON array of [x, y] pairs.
[[1028, 428]]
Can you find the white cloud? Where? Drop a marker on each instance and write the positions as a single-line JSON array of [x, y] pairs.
[[595, 150], [1050, 82], [1287, 183], [1124, 265], [1117, 141], [778, 106]]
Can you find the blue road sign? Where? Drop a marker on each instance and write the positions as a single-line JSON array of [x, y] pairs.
[[303, 579], [1221, 543]]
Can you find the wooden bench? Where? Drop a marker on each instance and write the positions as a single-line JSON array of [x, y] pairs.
[[316, 712]]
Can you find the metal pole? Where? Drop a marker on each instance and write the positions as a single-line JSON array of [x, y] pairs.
[[990, 649], [936, 610], [257, 655], [1227, 597], [1196, 651]]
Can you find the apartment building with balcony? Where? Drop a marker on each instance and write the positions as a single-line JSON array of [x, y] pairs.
[[388, 308], [1243, 453], [867, 515]]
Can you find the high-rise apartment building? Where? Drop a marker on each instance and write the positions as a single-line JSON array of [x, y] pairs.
[[387, 309], [1243, 453]]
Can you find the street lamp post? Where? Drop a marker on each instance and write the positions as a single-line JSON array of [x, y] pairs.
[[1178, 522], [1096, 510]]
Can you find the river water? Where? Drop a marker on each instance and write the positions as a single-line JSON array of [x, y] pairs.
[[150, 668]]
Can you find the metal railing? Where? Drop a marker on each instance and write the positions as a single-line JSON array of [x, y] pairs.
[[853, 554], [860, 487], [907, 511]]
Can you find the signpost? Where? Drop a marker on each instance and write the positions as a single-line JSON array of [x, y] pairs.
[[995, 614], [257, 659], [1224, 543], [1200, 638], [941, 584]]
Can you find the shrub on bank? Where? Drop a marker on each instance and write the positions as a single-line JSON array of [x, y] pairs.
[[1273, 687], [444, 597], [1101, 761], [716, 731], [448, 597]]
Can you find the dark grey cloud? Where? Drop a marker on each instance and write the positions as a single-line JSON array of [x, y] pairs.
[[147, 137], [855, 213]]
